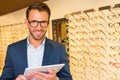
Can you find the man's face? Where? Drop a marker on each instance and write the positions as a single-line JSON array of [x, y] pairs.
[[37, 17]]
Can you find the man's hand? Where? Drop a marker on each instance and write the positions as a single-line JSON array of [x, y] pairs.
[[51, 75], [22, 77]]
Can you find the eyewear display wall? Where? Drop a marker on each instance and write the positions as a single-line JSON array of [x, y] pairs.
[[94, 43], [9, 34]]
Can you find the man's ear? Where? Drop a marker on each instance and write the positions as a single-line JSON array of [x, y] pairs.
[[48, 21], [26, 21]]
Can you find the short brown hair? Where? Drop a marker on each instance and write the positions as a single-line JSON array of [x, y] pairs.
[[38, 6]]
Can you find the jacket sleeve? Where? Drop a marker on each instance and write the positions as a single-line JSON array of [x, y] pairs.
[[64, 73], [7, 73]]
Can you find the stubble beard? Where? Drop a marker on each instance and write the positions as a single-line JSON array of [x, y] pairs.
[[39, 37]]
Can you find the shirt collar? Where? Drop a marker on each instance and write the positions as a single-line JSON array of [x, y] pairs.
[[28, 43]]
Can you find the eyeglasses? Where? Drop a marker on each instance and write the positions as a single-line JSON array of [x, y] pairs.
[[35, 23]]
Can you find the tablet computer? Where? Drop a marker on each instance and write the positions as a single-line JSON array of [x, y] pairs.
[[44, 69]]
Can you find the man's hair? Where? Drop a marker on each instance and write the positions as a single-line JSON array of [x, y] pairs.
[[38, 6]]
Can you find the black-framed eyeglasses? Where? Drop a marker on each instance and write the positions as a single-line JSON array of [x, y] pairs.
[[35, 23]]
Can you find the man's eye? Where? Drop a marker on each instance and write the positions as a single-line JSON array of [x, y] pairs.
[[43, 21]]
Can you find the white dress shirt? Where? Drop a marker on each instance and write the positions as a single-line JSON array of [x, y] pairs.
[[35, 55]]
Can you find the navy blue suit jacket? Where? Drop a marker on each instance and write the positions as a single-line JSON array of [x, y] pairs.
[[16, 59]]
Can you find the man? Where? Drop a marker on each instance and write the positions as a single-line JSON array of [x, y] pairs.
[[36, 50]]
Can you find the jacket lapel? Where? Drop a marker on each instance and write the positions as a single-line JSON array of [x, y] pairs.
[[24, 54], [47, 52]]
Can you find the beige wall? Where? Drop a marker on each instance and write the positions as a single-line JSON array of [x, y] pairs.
[[62, 7]]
